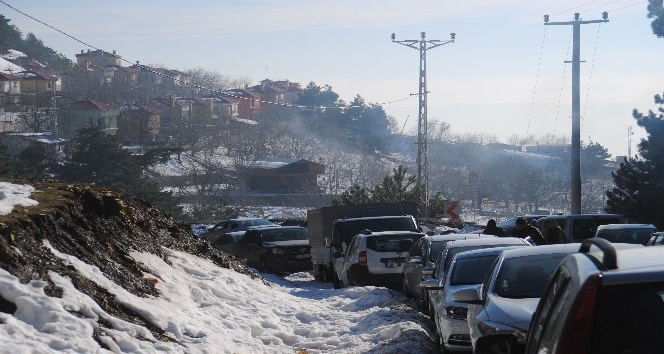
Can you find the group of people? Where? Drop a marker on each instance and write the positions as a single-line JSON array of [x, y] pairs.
[[553, 234]]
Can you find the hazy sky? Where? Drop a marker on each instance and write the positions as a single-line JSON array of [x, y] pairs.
[[505, 72]]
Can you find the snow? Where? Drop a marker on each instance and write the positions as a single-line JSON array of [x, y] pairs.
[[13, 55], [14, 194], [205, 309], [9, 67]]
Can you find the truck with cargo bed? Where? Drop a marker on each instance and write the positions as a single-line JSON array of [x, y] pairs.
[[331, 228]]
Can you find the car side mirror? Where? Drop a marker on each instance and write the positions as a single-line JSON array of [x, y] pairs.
[[431, 284], [467, 296], [428, 271], [415, 259]]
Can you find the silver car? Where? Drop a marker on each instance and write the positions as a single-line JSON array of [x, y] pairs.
[[500, 309], [422, 258], [467, 270], [445, 258]]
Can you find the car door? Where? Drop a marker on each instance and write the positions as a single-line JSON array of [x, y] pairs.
[[412, 270], [251, 246], [347, 260]]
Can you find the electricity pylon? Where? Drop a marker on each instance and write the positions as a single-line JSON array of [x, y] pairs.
[[422, 164], [575, 158]]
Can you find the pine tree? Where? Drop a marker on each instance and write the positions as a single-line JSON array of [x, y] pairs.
[[10, 36], [97, 158], [639, 182], [656, 12]]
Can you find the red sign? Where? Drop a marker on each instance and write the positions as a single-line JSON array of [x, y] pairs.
[[451, 210]]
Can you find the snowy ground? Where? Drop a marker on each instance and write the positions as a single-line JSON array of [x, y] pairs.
[[204, 309]]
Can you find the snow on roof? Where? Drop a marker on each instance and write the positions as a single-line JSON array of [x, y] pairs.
[[14, 54], [272, 162], [9, 67], [247, 121]]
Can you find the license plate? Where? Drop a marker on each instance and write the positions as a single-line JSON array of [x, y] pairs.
[[392, 265], [302, 256]]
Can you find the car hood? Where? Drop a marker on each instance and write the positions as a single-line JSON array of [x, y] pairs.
[[290, 243], [514, 312]]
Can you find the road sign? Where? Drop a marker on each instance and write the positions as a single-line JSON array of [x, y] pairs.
[[452, 209]]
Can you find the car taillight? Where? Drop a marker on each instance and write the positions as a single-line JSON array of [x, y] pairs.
[[362, 259], [577, 332]]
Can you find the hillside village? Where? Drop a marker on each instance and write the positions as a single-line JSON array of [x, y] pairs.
[[236, 143]]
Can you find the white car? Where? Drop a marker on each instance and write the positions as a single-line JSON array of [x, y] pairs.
[[375, 258]]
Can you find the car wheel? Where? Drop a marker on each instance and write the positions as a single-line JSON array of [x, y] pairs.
[[404, 288]]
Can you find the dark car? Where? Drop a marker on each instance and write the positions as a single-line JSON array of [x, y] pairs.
[[232, 225], [607, 301], [656, 239], [276, 249], [228, 240]]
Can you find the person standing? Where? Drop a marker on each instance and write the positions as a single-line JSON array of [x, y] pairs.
[[523, 230], [493, 229], [555, 234]]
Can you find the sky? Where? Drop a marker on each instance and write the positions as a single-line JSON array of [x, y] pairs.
[[504, 74], [207, 309]]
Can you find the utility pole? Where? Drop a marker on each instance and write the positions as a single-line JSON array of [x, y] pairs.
[[422, 164], [575, 158]]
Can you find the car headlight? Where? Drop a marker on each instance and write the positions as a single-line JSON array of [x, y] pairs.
[[278, 251], [493, 328], [457, 313]]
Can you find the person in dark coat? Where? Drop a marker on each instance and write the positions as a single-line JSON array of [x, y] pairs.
[[493, 229], [555, 234], [523, 230]]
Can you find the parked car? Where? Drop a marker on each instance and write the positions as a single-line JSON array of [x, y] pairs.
[[656, 239], [604, 299], [500, 310], [447, 254], [423, 256], [228, 241], [375, 258], [510, 224], [232, 225], [626, 233], [578, 227], [467, 269], [275, 249]]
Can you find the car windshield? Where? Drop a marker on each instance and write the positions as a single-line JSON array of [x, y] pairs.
[[440, 271], [639, 236], [258, 222], [349, 229], [285, 235], [391, 243], [470, 271], [525, 277], [434, 251]]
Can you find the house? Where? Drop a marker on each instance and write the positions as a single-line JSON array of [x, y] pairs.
[[98, 58], [34, 82], [160, 76], [282, 175], [249, 103], [281, 91], [138, 125], [10, 90], [81, 114]]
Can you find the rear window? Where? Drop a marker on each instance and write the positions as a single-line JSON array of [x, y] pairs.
[[630, 319], [587, 228], [638, 236], [285, 235], [525, 277], [469, 271], [351, 228], [391, 243]]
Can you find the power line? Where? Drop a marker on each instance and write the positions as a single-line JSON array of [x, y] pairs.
[[148, 69]]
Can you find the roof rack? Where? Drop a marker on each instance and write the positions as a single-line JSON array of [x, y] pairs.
[[610, 260]]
